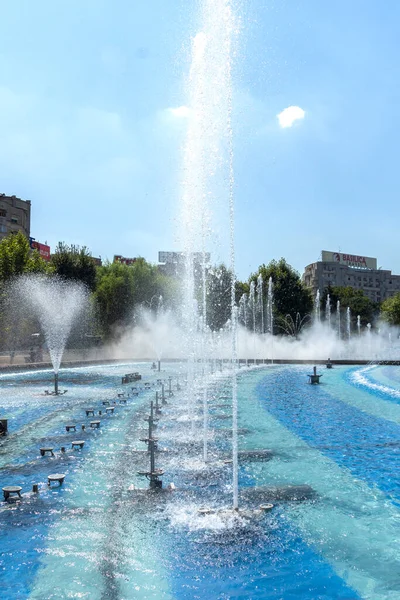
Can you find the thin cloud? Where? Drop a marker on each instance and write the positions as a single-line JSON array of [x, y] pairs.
[[181, 112], [289, 115]]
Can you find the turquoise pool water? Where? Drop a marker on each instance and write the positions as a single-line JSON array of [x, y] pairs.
[[95, 538]]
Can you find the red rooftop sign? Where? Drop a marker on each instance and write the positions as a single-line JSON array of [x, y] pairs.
[[350, 260], [43, 249]]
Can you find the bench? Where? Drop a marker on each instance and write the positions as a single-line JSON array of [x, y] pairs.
[[95, 424], [56, 477], [44, 450], [110, 409], [106, 402], [89, 411], [77, 443], [11, 489], [122, 400], [68, 427]]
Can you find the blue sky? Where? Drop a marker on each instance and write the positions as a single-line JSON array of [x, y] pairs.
[[86, 134]]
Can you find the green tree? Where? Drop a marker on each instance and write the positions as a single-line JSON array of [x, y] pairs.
[[16, 258], [150, 283], [390, 310], [121, 289], [114, 295], [75, 263], [291, 296], [218, 297], [355, 299]]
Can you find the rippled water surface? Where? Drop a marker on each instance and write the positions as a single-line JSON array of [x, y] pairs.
[[332, 476]]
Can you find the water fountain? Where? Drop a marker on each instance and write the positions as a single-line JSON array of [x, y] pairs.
[[328, 311], [294, 327], [317, 308], [217, 562], [243, 310], [348, 323], [252, 304], [260, 298], [207, 153], [57, 304], [270, 315], [270, 307]]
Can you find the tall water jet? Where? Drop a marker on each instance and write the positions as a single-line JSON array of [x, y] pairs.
[[260, 300], [317, 308], [160, 306], [252, 304], [205, 391], [328, 310], [270, 314], [348, 323], [208, 152], [243, 309], [270, 306], [56, 304], [369, 339], [338, 319], [359, 325], [235, 447]]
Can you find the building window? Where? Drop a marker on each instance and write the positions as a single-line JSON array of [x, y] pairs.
[[3, 229], [14, 220], [3, 213]]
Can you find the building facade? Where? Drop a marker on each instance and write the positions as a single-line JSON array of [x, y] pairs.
[[174, 263], [349, 270], [15, 215], [123, 260]]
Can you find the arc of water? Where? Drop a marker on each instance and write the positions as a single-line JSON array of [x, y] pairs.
[[57, 305]]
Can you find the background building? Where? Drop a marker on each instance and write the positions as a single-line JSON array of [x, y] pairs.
[[123, 260], [351, 270], [15, 215], [174, 263]]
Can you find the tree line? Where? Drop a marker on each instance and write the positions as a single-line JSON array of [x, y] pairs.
[[118, 290]]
